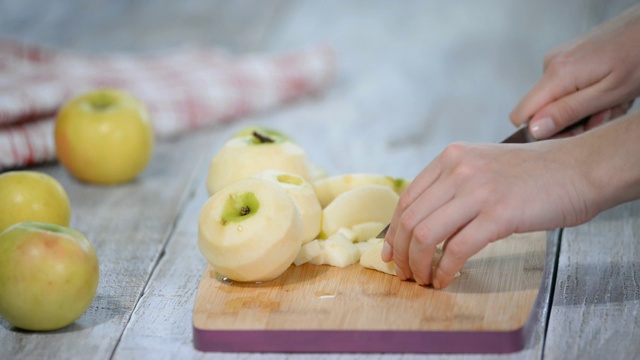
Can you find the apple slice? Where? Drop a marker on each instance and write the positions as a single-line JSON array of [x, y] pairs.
[[367, 203], [340, 251], [364, 246], [329, 188], [303, 196], [371, 259], [250, 230], [246, 155], [368, 230], [309, 251]]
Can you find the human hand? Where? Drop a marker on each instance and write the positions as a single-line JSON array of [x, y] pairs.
[[474, 194], [596, 76]]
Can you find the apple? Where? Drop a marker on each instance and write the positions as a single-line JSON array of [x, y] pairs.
[[367, 203], [250, 230], [309, 251], [104, 137], [246, 155], [48, 275], [365, 245], [340, 251], [272, 133], [367, 230], [32, 196], [371, 259], [329, 188], [303, 196]]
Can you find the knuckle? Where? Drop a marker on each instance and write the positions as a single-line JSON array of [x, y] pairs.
[[405, 200], [456, 251], [408, 220], [422, 234], [454, 152]]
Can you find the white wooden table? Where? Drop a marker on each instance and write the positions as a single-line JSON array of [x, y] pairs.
[[414, 76]]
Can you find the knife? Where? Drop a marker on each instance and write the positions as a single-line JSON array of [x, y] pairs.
[[520, 136]]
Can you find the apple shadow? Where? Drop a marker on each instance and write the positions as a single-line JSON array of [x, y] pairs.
[[103, 309]]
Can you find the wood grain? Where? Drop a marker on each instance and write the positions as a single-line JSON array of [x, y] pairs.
[[597, 298], [413, 78], [495, 292]]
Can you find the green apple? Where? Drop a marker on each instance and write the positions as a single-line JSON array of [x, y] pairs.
[[250, 230], [246, 155], [48, 275], [32, 196], [303, 196], [367, 203], [104, 137], [330, 187]]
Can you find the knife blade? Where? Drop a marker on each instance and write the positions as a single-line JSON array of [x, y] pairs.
[[520, 136]]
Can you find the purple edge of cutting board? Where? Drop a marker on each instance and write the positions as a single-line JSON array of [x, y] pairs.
[[377, 341]]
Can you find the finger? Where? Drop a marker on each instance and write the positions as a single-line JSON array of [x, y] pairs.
[[423, 181], [400, 247], [598, 119], [430, 201], [620, 110], [550, 88], [436, 228], [463, 245], [554, 117]]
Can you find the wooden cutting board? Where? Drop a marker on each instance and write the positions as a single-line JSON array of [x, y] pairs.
[[328, 309]]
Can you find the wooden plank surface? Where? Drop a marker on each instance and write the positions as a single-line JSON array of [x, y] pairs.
[[413, 77], [597, 297]]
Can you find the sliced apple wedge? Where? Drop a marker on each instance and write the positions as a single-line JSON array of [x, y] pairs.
[[340, 251], [368, 230], [371, 259], [303, 196], [308, 252], [367, 203], [250, 230], [364, 246], [329, 188]]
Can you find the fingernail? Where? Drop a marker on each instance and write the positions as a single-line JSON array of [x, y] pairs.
[[400, 274], [542, 128], [436, 283], [386, 251]]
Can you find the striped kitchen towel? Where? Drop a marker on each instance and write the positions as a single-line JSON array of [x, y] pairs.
[[184, 89]]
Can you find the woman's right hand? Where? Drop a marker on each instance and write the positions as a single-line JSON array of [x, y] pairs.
[[596, 76]]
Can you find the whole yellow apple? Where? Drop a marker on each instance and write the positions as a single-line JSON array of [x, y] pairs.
[[48, 275], [32, 196], [104, 137]]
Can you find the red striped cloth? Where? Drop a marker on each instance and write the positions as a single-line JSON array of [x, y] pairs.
[[183, 90]]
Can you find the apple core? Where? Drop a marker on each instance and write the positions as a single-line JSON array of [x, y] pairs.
[[240, 206]]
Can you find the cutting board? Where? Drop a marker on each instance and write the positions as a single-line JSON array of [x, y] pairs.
[[314, 308]]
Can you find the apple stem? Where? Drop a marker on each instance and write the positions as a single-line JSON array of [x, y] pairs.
[[262, 138], [245, 210]]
